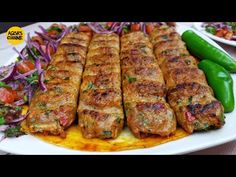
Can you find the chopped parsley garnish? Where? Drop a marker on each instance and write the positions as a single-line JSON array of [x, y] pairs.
[[190, 99], [18, 108], [42, 105], [33, 79], [13, 131], [179, 102], [52, 68], [131, 79], [35, 52], [54, 28], [118, 120], [211, 30], [183, 55], [18, 58], [107, 133], [126, 29], [46, 80], [164, 37], [2, 120], [206, 126], [2, 84], [89, 87]]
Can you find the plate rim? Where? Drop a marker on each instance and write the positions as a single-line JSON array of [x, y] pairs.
[[190, 149], [197, 26]]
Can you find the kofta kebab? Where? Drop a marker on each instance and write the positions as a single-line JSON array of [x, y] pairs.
[[149, 81]]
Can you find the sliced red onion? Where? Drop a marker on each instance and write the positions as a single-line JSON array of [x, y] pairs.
[[66, 31], [141, 25], [21, 56], [41, 81], [23, 76], [116, 27], [42, 29], [19, 119], [48, 50], [38, 65], [113, 25], [10, 74], [14, 85], [45, 37], [24, 52], [144, 28], [19, 102], [119, 30], [28, 41], [96, 27], [31, 52], [30, 93], [3, 127], [39, 48], [54, 46]]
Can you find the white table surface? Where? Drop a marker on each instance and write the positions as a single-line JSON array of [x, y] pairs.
[[224, 149]]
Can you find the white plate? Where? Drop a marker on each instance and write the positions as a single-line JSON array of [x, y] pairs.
[[198, 26], [30, 145]]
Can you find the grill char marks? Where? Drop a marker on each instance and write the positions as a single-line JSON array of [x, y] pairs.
[[51, 112], [188, 92], [144, 89], [100, 107]]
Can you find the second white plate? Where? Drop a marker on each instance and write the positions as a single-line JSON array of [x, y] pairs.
[[198, 26]]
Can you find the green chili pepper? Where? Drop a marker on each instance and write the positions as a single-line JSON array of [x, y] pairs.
[[221, 82], [204, 50]]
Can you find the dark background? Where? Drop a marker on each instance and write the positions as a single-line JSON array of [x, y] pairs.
[[5, 25]]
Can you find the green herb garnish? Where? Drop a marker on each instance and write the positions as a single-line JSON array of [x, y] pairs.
[[33, 79], [52, 68], [89, 87], [126, 29], [54, 28], [2, 84], [190, 99], [184, 54], [211, 30], [107, 133], [18, 108], [13, 131], [2, 120], [164, 37], [18, 58], [42, 105], [131, 79], [118, 120]]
